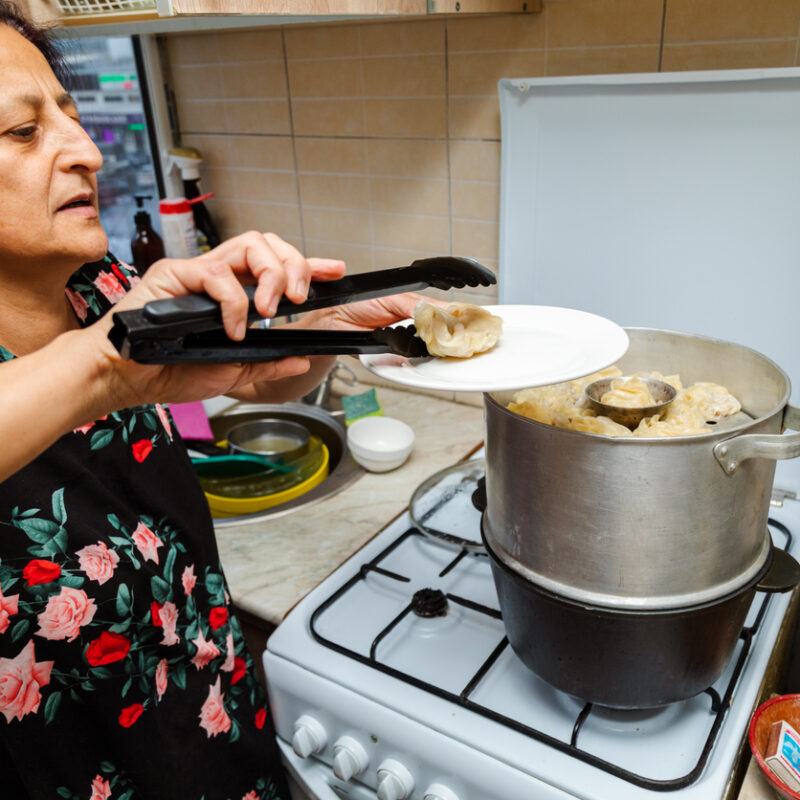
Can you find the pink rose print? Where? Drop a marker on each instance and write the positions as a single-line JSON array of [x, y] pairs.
[[20, 680], [161, 678], [97, 561], [213, 717], [147, 542], [130, 714], [65, 614], [168, 614], [251, 795], [89, 425], [78, 303], [8, 607], [230, 659], [206, 651], [141, 449], [101, 790], [188, 579], [164, 417], [110, 286]]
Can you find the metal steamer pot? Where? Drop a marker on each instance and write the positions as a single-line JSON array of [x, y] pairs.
[[630, 540]]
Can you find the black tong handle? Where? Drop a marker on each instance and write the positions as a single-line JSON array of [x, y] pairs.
[[265, 345], [443, 272]]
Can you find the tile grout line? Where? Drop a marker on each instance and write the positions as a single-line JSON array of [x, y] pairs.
[[663, 36], [294, 140], [447, 136], [369, 211]]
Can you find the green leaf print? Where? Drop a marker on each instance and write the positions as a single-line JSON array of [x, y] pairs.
[[162, 591], [100, 439], [20, 630], [51, 707], [215, 586], [40, 531], [62, 791], [73, 581], [59, 510], [124, 600], [115, 523]]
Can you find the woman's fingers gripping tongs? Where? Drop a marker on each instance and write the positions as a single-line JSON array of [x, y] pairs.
[[189, 329]]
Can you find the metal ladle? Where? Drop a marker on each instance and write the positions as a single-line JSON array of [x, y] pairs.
[[630, 417]]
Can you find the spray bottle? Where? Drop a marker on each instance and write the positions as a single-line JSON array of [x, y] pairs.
[[146, 245], [188, 160]]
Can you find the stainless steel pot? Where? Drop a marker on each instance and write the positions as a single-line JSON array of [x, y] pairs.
[[633, 523]]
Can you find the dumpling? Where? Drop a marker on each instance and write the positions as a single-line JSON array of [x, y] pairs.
[[459, 330], [630, 393]]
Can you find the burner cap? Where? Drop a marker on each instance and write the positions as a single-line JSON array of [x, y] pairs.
[[429, 603]]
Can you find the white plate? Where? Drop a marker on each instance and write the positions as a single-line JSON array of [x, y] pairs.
[[540, 345]]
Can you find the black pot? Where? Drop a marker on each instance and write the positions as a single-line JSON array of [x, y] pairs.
[[628, 659]]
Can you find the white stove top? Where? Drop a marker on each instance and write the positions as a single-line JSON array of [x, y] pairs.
[[448, 699]]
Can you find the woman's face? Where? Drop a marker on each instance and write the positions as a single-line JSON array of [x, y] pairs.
[[48, 165]]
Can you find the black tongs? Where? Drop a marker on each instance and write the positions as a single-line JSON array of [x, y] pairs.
[[189, 329]]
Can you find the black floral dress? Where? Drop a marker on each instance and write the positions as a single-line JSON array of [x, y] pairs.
[[123, 670]]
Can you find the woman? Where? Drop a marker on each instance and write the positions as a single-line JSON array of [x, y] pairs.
[[123, 671]]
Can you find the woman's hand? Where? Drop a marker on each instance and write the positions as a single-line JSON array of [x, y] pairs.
[[264, 260]]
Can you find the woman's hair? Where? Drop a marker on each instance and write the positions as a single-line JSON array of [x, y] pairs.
[[12, 15]]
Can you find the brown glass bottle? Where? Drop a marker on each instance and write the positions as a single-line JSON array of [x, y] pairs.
[[146, 245]]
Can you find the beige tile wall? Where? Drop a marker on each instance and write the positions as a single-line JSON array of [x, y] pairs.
[[379, 142]]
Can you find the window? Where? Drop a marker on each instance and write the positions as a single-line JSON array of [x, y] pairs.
[[109, 90]]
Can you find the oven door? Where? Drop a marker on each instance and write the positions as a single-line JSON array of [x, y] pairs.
[[311, 779]]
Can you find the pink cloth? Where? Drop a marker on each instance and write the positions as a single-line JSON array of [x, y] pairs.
[[191, 420]]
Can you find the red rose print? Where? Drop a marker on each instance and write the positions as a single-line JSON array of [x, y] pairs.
[[141, 449], [116, 270], [154, 612], [261, 718], [239, 669], [40, 571], [130, 714], [107, 648], [217, 617]]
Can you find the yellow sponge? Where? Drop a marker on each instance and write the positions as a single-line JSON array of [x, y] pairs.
[[365, 404]]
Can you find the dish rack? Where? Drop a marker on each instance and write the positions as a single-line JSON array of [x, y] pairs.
[[103, 6]]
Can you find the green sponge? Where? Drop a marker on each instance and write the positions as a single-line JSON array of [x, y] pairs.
[[365, 404]]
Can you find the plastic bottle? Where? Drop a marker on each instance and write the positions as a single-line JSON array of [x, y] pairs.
[[177, 227], [146, 246], [188, 160]]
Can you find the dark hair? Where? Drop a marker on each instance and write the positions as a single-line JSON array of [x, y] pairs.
[[39, 37]]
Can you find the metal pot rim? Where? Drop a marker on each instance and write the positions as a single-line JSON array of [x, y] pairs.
[[518, 572], [660, 441], [631, 604]]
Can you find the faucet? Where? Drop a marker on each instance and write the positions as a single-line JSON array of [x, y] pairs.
[[321, 396]]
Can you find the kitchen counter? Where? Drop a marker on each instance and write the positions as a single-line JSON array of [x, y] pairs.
[[273, 563]]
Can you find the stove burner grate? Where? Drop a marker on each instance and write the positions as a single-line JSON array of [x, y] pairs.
[[427, 598]]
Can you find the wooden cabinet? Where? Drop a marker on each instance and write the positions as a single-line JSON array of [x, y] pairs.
[[143, 16]]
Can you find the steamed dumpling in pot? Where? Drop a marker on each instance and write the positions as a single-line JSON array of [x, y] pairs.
[[459, 330]]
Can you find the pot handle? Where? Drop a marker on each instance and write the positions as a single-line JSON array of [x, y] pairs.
[[731, 452], [783, 574]]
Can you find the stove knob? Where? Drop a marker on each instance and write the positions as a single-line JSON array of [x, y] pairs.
[[349, 758], [395, 782], [438, 792], [309, 736]]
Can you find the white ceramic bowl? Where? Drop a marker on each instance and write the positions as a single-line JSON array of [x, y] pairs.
[[380, 444]]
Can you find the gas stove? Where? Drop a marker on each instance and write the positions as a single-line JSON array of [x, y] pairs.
[[394, 677]]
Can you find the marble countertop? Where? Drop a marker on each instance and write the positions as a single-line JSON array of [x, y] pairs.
[[272, 564]]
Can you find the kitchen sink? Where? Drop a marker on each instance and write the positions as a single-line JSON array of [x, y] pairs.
[[342, 471]]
